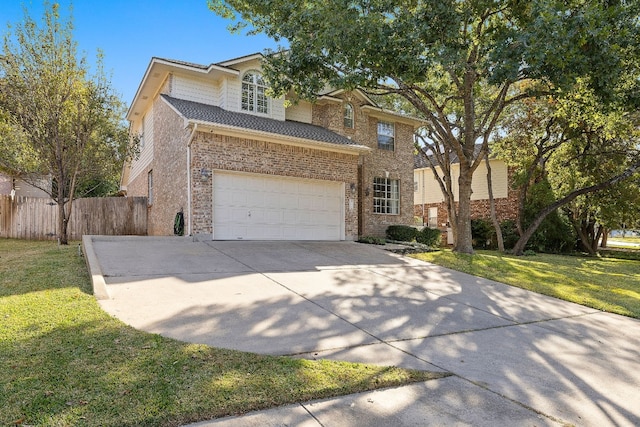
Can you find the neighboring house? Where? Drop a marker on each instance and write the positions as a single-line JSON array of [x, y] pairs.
[[430, 205], [242, 166], [10, 185]]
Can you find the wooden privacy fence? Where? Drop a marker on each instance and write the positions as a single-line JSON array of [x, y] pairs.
[[37, 218]]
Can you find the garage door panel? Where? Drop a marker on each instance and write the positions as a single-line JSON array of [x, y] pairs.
[[265, 207]]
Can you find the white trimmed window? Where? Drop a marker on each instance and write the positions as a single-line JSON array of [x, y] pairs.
[[348, 116], [386, 136], [386, 196], [432, 220], [253, 93]]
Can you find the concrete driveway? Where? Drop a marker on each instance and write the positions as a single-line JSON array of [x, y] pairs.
[[518, 358]]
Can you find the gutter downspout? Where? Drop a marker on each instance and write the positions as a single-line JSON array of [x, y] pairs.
[[189, 141]]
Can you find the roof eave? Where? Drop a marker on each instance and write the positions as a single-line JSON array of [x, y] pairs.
[[386, 114], [159, 68], [277, 138]]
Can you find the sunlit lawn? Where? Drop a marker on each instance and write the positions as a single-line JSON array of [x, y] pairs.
[[64, 362], [606, 284]]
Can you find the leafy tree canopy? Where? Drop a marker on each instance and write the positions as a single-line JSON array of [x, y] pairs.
[[56, 118], [459, 63]]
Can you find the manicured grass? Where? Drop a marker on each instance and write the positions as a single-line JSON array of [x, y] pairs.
[[65, 362], [606, 284]]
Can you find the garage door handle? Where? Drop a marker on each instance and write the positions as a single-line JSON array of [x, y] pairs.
[[249, 214]]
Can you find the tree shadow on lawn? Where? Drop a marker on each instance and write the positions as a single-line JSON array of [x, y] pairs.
[[101, 372]]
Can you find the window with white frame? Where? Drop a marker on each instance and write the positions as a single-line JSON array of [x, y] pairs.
[[386, 136], [254, 98], [432, 221], [386, 196], [150, 188], [348, 116]]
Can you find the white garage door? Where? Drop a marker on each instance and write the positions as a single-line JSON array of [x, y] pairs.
[[264, 207]]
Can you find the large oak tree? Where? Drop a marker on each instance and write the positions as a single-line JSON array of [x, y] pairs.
[[458, 62]]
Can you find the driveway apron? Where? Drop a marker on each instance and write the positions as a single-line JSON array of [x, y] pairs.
[[515, 355]]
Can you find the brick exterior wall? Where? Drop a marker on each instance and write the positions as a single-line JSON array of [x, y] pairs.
[[398, 163], [169, 166], [219, 152], [227, 153]]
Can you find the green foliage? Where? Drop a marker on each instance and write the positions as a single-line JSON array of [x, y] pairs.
[[555, 234], [611, 285], [457, 64], [65, 362], [59, 120], [482, 233], [509, 233], [401, 233], [372, 240], [429, 236]]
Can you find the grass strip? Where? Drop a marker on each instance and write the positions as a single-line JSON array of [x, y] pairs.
[[65, 362], [607, 284]]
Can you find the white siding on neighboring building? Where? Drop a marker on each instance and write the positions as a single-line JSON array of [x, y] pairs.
[[146, 152], [203, 90], [428, 190], [301, 112]]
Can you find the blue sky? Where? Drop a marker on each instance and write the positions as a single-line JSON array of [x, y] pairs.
[[131, 32]]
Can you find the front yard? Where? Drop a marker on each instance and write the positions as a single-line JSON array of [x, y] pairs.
[[607, 284], [65, 362]]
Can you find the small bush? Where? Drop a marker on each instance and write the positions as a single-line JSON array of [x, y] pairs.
[[509, 233], [372, 240], [429, 236], [482, 233], [401, 233]]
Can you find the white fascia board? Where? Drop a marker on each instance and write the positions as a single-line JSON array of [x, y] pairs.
[[241, 59], [163, 67]]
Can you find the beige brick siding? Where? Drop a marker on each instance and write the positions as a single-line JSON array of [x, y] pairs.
[[169, 166], [219, 152], [376, 163]]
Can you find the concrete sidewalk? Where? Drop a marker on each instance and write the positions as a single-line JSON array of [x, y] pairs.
[[518, 358]]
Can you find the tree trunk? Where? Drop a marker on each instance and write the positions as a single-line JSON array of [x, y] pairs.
[[62, 222], [582, 230], [605, 237], [492, 207], [463, 241]]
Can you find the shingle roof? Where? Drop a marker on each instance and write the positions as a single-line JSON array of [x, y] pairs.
[[216, 115]]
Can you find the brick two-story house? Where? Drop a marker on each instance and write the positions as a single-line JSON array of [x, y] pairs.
[[240, 165]]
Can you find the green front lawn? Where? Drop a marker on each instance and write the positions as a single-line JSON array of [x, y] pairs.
[[64, 362], [606, 284]]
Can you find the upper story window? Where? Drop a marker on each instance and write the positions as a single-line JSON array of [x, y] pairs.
[[348, 116], [386, 136], [253, 93]]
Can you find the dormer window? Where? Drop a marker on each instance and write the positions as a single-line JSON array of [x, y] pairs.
[[253, 93], [348, 116]]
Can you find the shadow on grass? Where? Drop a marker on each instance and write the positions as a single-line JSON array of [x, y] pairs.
[[68, 367], [33, 266]]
